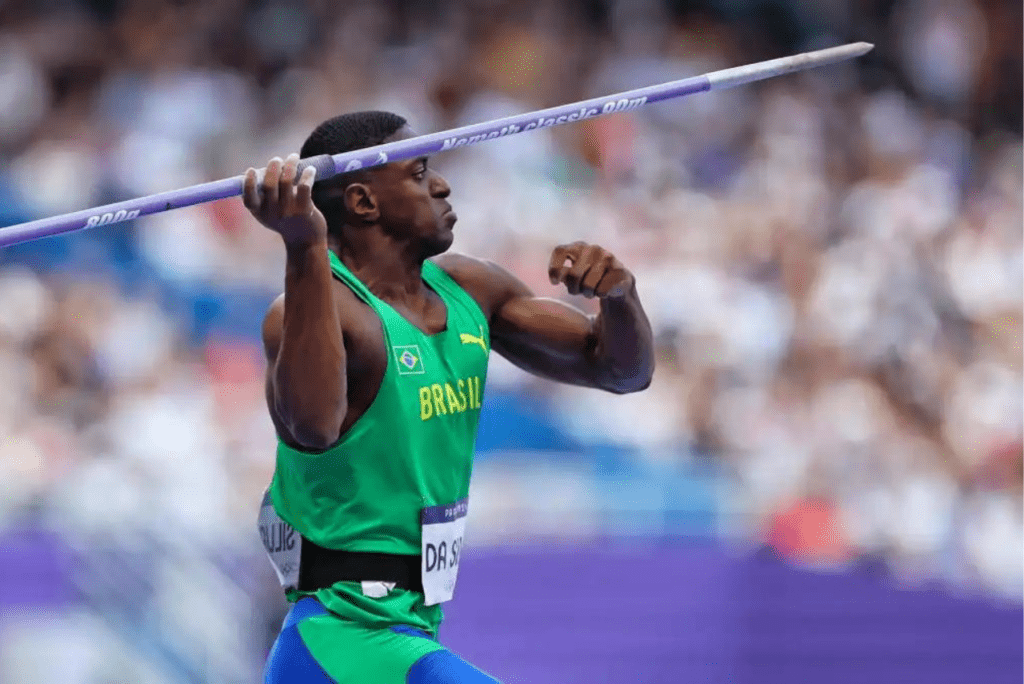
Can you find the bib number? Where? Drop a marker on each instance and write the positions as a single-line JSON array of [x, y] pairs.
[[282, 543], [443, 528]]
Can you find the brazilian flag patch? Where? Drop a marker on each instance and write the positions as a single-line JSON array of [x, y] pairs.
[[408, 360]]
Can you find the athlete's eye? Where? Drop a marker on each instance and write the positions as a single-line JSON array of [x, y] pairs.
[[420, 173]]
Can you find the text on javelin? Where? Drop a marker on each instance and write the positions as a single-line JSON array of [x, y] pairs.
[[611, 107]]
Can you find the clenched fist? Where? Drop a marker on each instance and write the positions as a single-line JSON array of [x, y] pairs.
[[284, 205], [591, 271]]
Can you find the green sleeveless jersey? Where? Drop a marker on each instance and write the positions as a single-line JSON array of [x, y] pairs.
[[413, 448]]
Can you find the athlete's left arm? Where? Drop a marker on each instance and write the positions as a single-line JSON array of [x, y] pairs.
[[612, 350]]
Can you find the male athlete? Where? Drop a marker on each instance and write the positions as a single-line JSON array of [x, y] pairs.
[[377, 354]]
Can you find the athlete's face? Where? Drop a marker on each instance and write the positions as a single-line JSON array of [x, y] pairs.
[[411, 198]]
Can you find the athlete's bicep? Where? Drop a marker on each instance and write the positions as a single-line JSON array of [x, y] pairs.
[[545, 336], [543, 324], [307, 371], [541, 335]]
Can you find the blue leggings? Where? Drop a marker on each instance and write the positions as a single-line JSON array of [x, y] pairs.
[[318, 647]]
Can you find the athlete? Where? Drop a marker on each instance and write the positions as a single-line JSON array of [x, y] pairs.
[[376, 361]]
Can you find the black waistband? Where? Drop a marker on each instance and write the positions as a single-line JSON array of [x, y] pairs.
[[319, 568]]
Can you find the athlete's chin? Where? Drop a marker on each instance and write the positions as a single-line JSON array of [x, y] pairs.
[[447, 238], [441, 243]]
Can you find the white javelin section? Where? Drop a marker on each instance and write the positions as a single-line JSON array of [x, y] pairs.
[[727, 78]]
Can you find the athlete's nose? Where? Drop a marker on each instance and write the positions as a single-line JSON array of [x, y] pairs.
[[439, 186]]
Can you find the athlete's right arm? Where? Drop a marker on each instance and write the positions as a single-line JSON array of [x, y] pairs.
[[302, 336]]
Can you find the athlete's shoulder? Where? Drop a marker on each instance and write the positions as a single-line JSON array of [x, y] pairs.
[[486, 281], [459, 265]]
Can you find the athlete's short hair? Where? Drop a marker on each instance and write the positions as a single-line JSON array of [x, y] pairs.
[[344, 133]]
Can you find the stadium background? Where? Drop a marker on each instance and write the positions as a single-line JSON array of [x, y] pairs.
[[823, 482]]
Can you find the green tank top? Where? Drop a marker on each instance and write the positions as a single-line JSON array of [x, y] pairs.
[[412, 448]]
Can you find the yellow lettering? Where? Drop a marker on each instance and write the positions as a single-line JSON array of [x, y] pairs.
[[453, 401], [439, 408], [426, 410], [448, 399]]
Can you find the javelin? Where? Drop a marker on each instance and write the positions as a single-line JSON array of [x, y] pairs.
[[330, 165]]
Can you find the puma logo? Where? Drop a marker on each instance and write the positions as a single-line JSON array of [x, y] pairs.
[[474, 339]]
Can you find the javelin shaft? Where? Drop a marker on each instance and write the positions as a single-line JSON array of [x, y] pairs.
[[327, 165]]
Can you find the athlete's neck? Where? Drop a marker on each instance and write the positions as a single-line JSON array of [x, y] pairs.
[[391, 270]]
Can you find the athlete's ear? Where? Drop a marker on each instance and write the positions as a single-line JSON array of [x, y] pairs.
[[361, 204]]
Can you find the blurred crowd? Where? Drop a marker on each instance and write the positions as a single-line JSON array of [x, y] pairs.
[[832, 261]]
